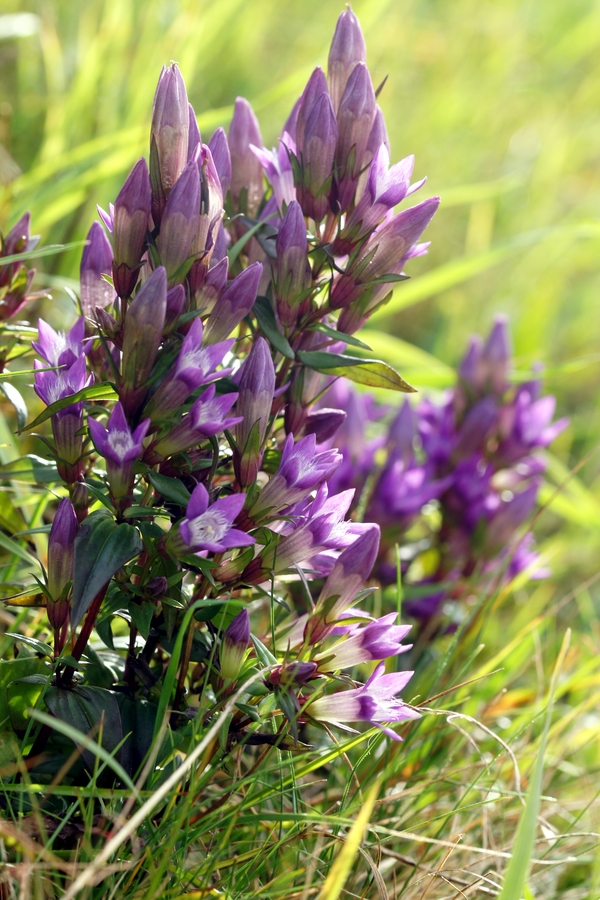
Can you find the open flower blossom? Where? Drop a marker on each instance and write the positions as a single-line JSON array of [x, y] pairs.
[[210, 527], [60, 348], [379, 639], [374, 702], [120, 447], [207, 417], [196, 365]]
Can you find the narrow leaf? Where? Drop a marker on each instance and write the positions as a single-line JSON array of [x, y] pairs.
[[265, 317], [103, 391], [14, 397], [38, 253]]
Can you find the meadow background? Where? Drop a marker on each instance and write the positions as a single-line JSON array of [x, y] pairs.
[[500, 103]]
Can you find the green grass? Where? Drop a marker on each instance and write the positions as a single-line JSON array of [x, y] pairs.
[[499, 103]]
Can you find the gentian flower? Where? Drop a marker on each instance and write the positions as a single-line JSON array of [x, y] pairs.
[[234, 646], [209, 527], [59, 348], [207, 417], [15, 278], [96, 261], [52, 385], [131, 221], [376, 640], [169, 137], [194, 367], [374, 702], [301, 471], [246, 171], [120, 447], [256, 384]]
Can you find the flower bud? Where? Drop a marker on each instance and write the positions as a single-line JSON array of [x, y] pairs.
[[246, 171], [347, 49], [212, 287], [143, 331], [316, 85], [235, 302], [96, 261], [347, 577], [291, 269], [179, 223], [355, 118], [60, 550], [316, 152], [174, 308], [131, 220], [219, 148], [256, 389], [234, 646], [324, 423], [194, 137], [169, 137]]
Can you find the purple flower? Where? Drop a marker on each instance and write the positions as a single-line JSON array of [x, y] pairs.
[[131, 221], [169, 137], [375, 702], [379, 256], [52, 385], [209, 220], [57, 347], [301, 471], [355, 118], [246, 171], [348, 576], [380, 639], [234, 646], [207, 416], [60, 552], [96, 261], [219, 148], [179, 223], [210, 527], [278, 169], [316, 153], [194, 136], [233, 303], [256, 388], [385, 188], [324, 423], [120, 447], [143, 330], [15, 278], [194, 367], [347, 49], [291, 269]]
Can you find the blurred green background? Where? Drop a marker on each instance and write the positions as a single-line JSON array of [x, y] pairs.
[[499, 102]]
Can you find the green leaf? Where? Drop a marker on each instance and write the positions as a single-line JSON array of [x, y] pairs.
[[101, 548], [237, 248], [79, 737], [38, 646], [103, 391], [12, 546], [21, 695], [142, 614], [31, 469], [13, 670], [418, 366], [170, 488], [38, 253], [14, 397], [340, 336], [265, 317], [372, 372]]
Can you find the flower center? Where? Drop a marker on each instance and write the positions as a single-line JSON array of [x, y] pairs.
[[209, 528], [121, 442]]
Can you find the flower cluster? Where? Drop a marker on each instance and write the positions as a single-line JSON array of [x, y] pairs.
[[215, 291], [15, 277], [454, 481]]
